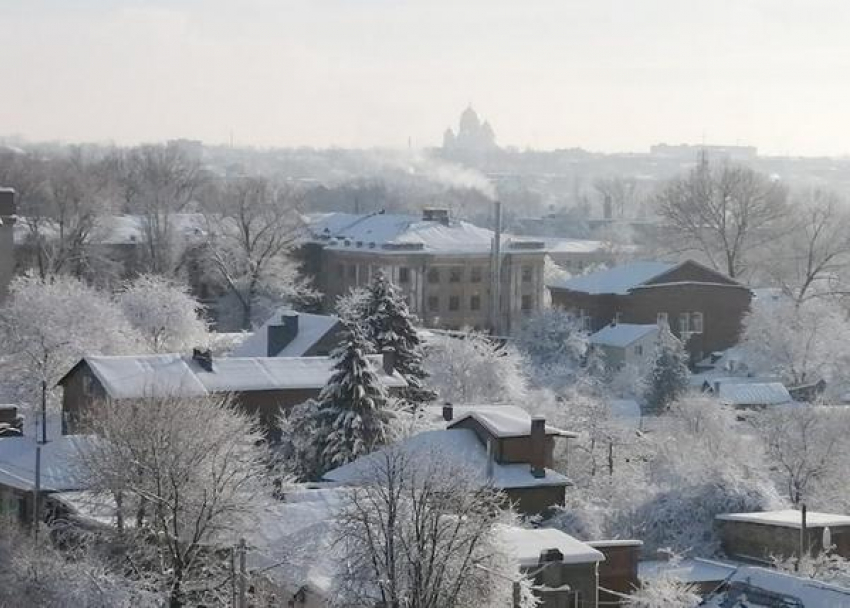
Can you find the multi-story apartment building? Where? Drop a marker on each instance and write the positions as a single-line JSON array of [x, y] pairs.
[[7, 239], [444, 266]]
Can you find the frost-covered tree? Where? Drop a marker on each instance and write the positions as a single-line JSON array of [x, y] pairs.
[[46, 326], [802, 343], [807, 446], [252, 226], [724, 212], [36, 572], [352, 306], [665, 591], [554, 344], [350, 416], [418, 530], [190, 474], [668, 378], [827, 567], [389, 326], [471, 368], [164, 314], [158, 182]]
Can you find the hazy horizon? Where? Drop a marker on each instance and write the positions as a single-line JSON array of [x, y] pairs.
[[605, 76]]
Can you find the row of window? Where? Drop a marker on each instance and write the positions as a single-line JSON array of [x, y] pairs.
[[454, 274], [474, 303], [689, 322]]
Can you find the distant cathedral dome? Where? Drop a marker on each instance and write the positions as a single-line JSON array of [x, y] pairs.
[[472, 134]]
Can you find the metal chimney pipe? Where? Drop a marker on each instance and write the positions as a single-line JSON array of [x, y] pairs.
[[496, 271]]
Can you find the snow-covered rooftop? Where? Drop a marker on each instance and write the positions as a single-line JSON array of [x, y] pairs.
[[755, 587], [311, 329], [695, 570], [58, 462], [618, 280], [151, 376], [403, 233], [622, 334], [499, 420], [573, 246], [753, 393], [788, 518], [526, 545], [454, 448]]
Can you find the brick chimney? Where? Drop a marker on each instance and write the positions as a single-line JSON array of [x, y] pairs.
[[203, 358], [538, 446], [280, 336], [432, 214], [388, 360], [448, 411]]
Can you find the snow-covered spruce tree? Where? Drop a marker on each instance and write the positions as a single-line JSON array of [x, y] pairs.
[[351, 417], [389, 326], [668, 379]]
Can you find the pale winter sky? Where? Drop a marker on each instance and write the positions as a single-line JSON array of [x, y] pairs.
[[609, 75]]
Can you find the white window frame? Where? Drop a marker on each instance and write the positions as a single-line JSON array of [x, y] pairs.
[[697, 323]]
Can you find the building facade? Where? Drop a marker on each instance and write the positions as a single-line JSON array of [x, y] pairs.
[[444, 267], [702, 307]]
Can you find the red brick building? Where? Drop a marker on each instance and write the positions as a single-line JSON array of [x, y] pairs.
[[704, 308]]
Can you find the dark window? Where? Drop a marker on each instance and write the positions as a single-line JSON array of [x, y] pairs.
[[527, 273], [404, 275], [454, 302], [455, 275], [475, 303], [433, 275], [526, 302], [433, 303], [340, 270], [639, 350], [352, 271], [475, 274]]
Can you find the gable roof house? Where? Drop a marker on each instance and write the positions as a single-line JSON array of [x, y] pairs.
[[261, 385], [703, 307], [289, 333], [442, 265], [499, 445], [622, 344]]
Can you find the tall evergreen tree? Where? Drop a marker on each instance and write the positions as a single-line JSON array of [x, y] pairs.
[[350, 418], [389, 326], [668, 379]]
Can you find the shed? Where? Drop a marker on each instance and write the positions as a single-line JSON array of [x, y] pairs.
[[760, 535]]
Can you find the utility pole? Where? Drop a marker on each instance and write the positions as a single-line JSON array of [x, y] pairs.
[[802, 533], [44, 411], [36, 499], [243, 577]]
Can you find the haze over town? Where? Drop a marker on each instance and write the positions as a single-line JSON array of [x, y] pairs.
[[607, 76]]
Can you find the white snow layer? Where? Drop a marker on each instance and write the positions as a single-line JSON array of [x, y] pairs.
[[452, 448], [58, 462], [311, 329], [526, 545], [618, 280], [148, 376], [622, 334], [788, 518]]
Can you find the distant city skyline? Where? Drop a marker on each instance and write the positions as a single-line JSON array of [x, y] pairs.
[[607, 76]]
